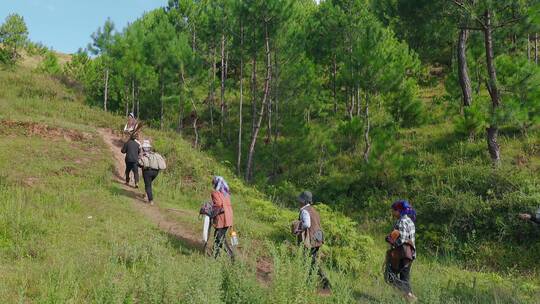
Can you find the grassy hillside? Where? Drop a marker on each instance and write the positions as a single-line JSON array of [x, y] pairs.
[[70, 234]]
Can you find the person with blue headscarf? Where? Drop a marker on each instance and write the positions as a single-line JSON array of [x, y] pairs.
[[403, 249], [221, 202]]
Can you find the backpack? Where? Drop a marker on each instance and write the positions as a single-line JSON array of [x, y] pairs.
[[153, 161], [161, 161]]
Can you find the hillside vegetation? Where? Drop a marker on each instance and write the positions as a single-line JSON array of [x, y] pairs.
[[355, 100], [70, 234], [362, 102]]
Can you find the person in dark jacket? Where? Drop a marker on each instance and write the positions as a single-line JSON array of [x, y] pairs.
[[131, 150], [403, 249], [309, 232], [535, 218]]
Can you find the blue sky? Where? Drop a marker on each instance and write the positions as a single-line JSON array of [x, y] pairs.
[[66, 25]]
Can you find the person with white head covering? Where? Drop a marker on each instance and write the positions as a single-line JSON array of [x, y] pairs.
[[221, 201], [131, 125], [150, 168]]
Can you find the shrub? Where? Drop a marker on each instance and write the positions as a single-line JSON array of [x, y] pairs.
[[473, 121]]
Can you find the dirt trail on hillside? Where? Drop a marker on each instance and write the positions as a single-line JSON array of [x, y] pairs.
[[190, 238], [154, 213]]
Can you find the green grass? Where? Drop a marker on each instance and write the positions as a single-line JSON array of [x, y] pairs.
[[68, 234]]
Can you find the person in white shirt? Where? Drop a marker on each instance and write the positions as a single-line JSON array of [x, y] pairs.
[[131, 124]]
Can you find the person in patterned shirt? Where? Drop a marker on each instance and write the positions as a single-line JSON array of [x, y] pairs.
[[403, 250]]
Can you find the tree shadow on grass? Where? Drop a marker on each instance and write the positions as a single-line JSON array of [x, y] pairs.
[[184, 246], [365, 298], [119, 189]]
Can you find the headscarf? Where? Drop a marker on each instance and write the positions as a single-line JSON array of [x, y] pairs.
[[221, 185], [405, 208], [131, 115]]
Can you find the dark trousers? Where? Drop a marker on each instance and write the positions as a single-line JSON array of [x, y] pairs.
[[220, 238], [314, 253], [132, 166], [149, 175], [401, 280]]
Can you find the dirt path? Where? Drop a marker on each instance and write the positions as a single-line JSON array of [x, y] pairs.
[[154, 213], [157, 215]]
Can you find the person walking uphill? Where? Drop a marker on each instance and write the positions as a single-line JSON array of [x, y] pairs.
[[151, 163], [309, 232], [403, 251], [221, 203], [131, 125], [131, 150]]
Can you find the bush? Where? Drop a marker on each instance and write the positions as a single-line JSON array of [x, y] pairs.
[[473, 121], [50, 64]]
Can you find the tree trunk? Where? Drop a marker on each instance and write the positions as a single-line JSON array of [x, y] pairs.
[[492, 74], [194, 36], [492, 130], [126, 96], [358, 110], [239, 159], [275, 152], [254, 93], [334, 97], [222, 95], [269, 116], [493, 146], [180, 105], [133, 96], [276, 97], [249, 169], [528, 47], [138, 102], [162, 89], [195, 118], [226, 108], [212, 89], [463, 69], [536, 48], [367, 148], [106, 89]]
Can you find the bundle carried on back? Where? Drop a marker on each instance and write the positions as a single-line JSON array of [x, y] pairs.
[[152, 160]]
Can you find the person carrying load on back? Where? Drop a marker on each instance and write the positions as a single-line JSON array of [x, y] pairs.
[[131, 125], [535, 218], [221, 204], [403, 250], [151, 163], [309, 233], [131, 150]]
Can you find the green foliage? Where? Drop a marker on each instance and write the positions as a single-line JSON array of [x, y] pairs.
[[52, 251], [425, 25], [473, 122], [13, 36], [50, 64], [405, 106], [36, 48], [520, 78]]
